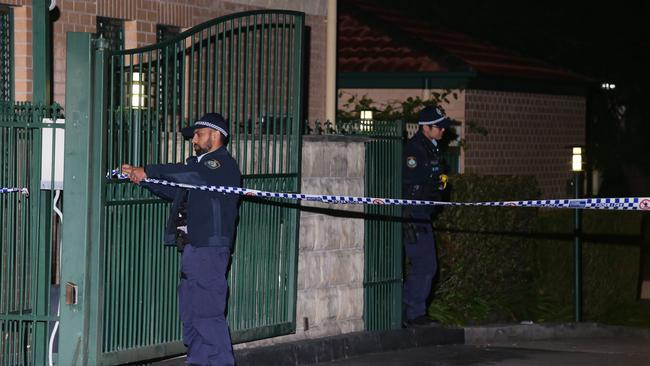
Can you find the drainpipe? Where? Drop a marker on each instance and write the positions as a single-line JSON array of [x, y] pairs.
[[330, 63], [41, 52]]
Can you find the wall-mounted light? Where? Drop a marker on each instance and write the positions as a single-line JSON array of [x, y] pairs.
[[366, 120], [137, 94], [608, 86], [576, 159]]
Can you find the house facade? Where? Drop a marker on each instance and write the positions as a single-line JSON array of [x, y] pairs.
[[132, 24], [517, 115]]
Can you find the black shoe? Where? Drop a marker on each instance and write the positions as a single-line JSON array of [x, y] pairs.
[[421, 321]]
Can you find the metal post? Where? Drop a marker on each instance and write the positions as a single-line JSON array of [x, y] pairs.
[[42, 51], [81, 265], [577, 233], [41, 96]]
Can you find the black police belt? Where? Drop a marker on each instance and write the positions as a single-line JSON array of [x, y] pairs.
[[422, 191], [181, 227]]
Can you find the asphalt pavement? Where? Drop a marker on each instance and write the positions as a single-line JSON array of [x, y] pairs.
[[500, 345], [599, 351]]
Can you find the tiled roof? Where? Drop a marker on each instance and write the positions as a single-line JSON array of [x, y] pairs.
[[373, 38], [362, 49]]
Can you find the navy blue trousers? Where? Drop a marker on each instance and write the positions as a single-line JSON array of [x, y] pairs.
[[424, 263], [202, 295]]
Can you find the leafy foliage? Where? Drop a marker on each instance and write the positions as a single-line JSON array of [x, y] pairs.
[[478, 270], [406, 110], [512, 264]]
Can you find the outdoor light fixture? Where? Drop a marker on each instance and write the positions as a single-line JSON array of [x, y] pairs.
[[137, 90], [576, 159], [366, 120], [576, 167], [608, 86]]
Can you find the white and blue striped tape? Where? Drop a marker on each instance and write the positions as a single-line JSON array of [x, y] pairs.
[[13, 190], [627, 204]]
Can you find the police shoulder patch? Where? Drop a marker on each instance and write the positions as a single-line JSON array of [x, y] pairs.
[[411, 162], [213, 164]]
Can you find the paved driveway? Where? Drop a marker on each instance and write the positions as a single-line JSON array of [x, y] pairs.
[[576, 351]]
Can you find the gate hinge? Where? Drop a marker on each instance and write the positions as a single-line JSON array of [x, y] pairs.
[[101, 43]]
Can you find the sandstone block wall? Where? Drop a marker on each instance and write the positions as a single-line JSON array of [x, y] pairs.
[[330, 260]]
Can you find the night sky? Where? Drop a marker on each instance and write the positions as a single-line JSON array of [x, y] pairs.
[[605, 42]]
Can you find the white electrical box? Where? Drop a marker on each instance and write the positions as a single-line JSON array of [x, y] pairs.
[[52, 156]]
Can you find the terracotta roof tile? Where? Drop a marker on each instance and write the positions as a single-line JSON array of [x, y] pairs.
[[381, 39]]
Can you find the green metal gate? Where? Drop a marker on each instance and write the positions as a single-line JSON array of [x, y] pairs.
[[383, 234], [248, 66], [28, 231]]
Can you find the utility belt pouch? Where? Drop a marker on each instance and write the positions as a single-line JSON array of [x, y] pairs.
[[181, 225]]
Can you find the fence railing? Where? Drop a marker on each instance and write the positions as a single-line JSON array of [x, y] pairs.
[[29, 231], [451, 153]]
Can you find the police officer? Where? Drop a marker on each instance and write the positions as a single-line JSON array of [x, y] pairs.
[[423, 179], [202, 225]]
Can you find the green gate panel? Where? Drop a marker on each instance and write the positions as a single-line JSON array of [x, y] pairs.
[[28, 256], [247, 66], [383, 235]]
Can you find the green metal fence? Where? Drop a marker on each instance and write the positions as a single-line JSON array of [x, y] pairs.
[[28, 233], [6, 54], [383, 235], [248, 66]]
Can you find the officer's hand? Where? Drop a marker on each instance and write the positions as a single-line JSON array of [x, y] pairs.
[[136, 174]]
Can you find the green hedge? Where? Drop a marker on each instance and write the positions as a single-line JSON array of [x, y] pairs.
[[610, 269], [511, 264]]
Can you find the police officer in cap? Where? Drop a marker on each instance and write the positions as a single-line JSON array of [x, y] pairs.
[[423, 179], [202, 225]]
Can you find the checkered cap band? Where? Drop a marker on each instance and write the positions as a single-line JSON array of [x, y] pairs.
[[211, 125], [432, 122]]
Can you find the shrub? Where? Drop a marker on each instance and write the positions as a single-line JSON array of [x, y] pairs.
[[509, 264], [481, 262]]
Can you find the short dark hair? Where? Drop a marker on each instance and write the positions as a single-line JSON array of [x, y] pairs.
[[224, 139]]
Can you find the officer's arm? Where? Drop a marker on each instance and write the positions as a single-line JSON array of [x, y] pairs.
[[165, 192], [177, 173]]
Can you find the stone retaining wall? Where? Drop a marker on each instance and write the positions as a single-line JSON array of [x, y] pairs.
[[330, 261]]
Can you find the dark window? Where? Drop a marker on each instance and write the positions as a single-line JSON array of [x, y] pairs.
[[6, 54], [166, 32], [112, 30]]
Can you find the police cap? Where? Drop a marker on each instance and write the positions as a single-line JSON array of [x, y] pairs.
[[432, 115], [214, 121]]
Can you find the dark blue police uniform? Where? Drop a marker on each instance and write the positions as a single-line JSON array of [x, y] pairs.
[[210, 222], [421, 173]]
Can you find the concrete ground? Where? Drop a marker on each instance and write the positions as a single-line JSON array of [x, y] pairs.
[[556, 352], [500, 345]]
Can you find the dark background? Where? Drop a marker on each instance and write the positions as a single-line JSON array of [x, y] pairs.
[[607, 43]]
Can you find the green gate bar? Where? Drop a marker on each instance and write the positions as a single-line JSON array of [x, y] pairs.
[[247, 66], [382, 237]]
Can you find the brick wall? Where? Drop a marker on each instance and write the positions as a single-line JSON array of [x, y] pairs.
[[141, 17], [527, 134], [23, 72]]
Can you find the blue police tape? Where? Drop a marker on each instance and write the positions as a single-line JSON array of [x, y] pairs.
[[628, 204], [13, 190]]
